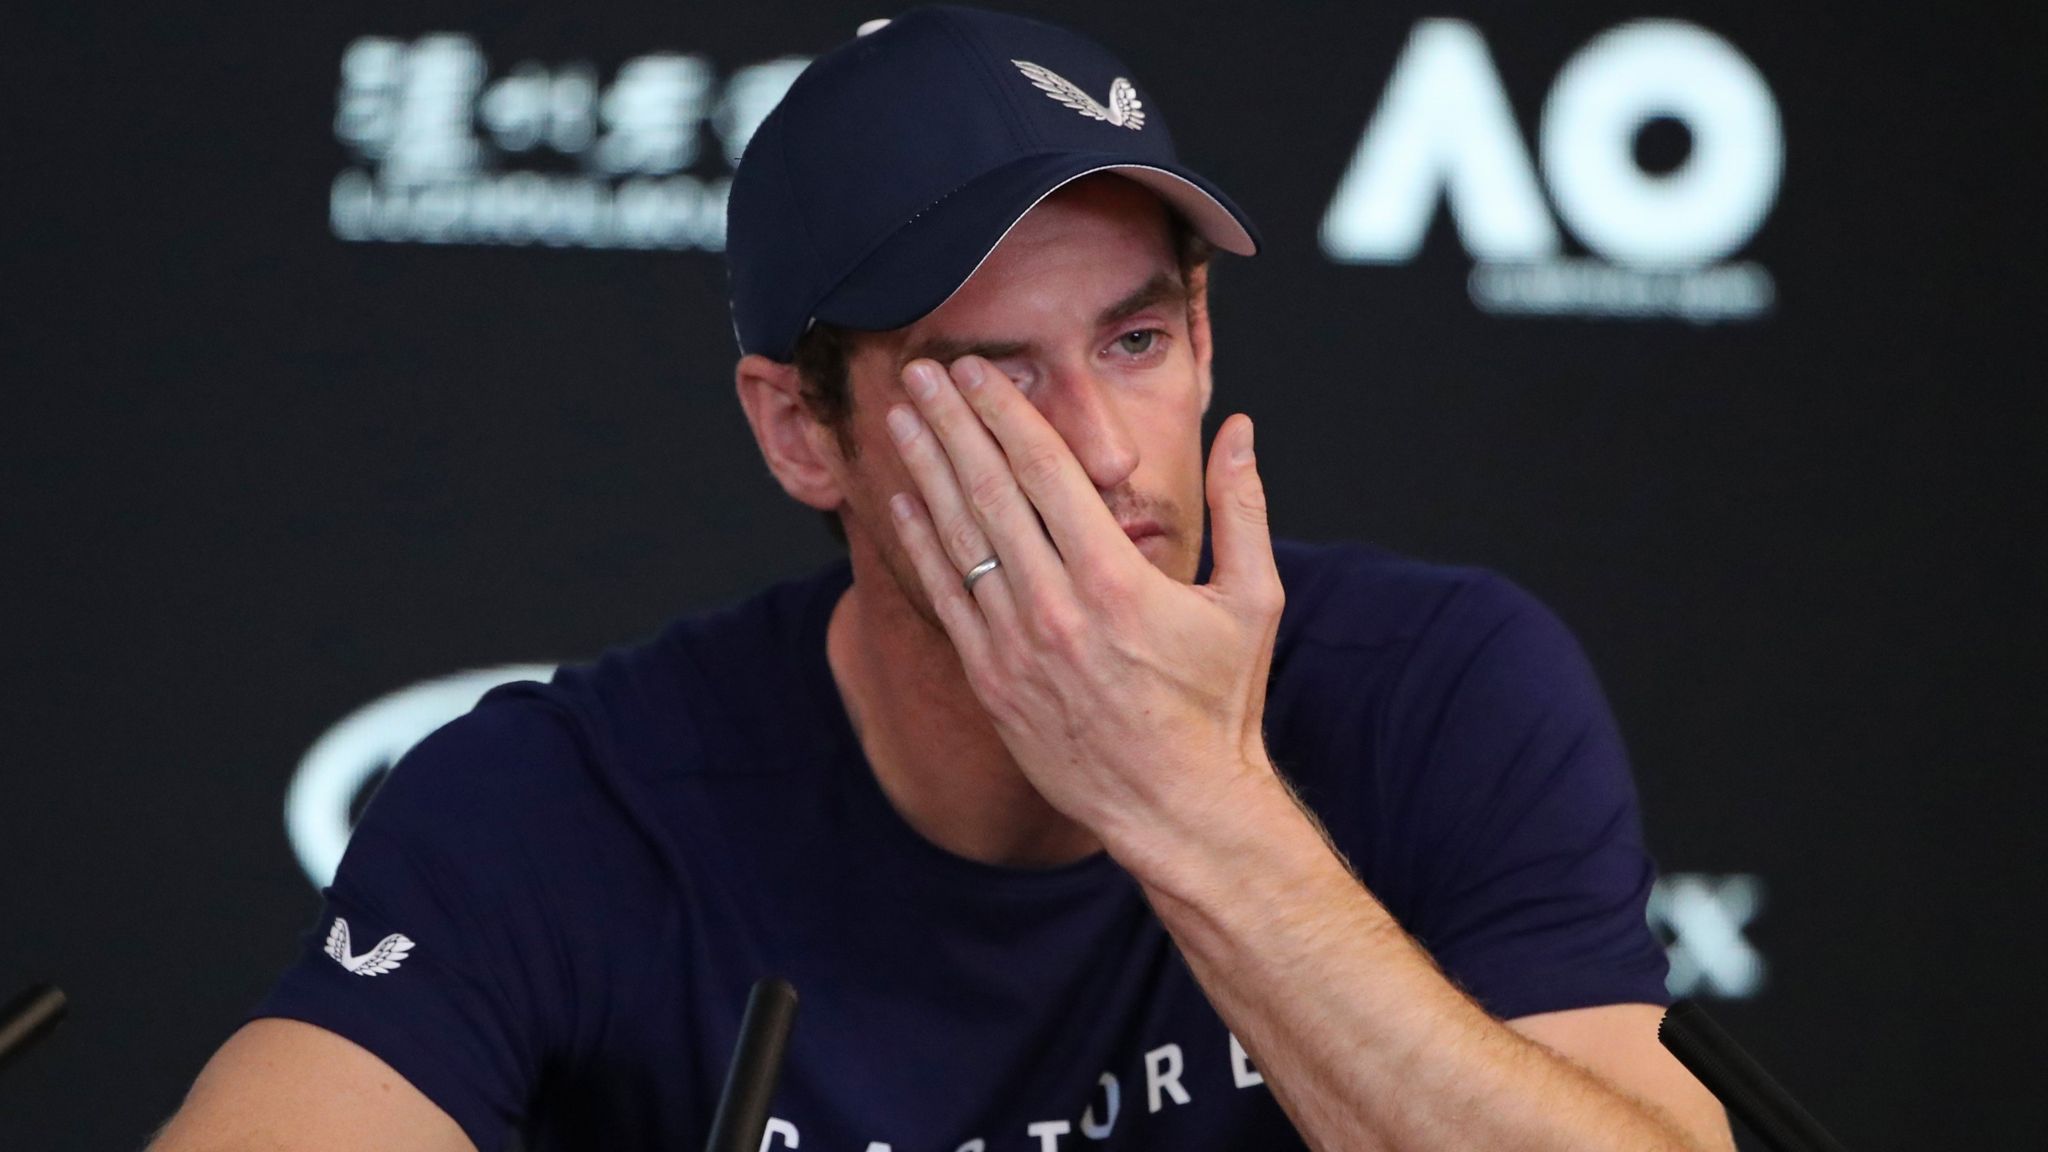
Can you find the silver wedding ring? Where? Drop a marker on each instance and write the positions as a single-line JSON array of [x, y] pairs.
[[978, 571]]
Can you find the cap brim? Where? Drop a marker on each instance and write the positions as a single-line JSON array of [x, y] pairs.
[[921, 265]]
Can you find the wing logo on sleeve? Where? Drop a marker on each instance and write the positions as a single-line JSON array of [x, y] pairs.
[[389, 953], [1125, 110]]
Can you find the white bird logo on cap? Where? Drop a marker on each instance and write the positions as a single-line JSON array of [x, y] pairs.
[[1125, 109]]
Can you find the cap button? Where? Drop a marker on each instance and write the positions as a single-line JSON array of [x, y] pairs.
[[868, 26]]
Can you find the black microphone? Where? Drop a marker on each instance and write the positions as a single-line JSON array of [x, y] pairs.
[[742, 1114], [1742, 1084], [28, 1018]]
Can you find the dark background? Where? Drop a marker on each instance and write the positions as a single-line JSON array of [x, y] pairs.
[[258, 476]]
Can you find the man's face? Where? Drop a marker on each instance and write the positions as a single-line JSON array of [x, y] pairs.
[[1084, 307]]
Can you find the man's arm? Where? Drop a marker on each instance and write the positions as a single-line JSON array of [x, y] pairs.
[[283, 1086], [1135, 706], [1364, 1041], [1618, 1043]]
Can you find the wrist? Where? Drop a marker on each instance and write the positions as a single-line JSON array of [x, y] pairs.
[[1245, 844]]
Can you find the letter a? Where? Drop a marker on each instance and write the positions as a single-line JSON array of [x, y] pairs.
[[1443, 125], [778, 1127]]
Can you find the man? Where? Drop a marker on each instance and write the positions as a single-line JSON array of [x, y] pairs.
[[1006, 795]]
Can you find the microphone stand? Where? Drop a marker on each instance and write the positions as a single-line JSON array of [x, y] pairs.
[[1742, 1084], [742, 1114], [28, 1018]]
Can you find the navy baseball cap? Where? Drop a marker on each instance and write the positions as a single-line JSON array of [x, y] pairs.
[[898, 161]]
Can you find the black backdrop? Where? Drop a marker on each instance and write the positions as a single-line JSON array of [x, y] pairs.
[[270, 456]]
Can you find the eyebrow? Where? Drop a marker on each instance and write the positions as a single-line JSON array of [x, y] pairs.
[[1162, 288]]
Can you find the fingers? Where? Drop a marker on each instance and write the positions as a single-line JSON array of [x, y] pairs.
[[1240, 540], [966, 480], [957, 539], [1074, 513], [957, 609]]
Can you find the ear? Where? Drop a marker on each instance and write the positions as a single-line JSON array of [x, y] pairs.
[[800, 451], [1198, 328]]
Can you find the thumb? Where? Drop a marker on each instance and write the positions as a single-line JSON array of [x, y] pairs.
[[1241, 542]]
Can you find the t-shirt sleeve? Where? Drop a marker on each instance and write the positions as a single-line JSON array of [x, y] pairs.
[[439, 947], [1516, 808]]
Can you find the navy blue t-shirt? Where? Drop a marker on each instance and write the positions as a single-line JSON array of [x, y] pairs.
[[591, 873]]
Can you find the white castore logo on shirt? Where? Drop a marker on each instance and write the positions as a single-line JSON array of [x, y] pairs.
[[1125, 109], [389, 953]]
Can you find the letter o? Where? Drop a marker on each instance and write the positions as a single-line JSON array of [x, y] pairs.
[[1713, 203]]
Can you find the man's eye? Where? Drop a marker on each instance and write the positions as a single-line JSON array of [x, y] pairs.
[[1139, 342]]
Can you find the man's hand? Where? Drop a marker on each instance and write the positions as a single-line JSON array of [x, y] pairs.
[[1131, 701], [1134, 702]]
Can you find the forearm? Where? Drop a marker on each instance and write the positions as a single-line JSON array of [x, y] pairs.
[[1358, 1034]]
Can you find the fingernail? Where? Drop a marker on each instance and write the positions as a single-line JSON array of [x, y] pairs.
[[900, 505], [968, 372], [902, 424], [1243, 451], [924, 380]]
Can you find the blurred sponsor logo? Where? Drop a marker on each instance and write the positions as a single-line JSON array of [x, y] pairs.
[[346, 763], [1701, 920], [1445, 130], [444, 152]]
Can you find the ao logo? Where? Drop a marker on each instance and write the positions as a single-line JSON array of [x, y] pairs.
[[1444, 127], [373, 737]]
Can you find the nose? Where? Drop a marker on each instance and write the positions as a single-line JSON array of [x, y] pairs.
[[1081, 407]]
